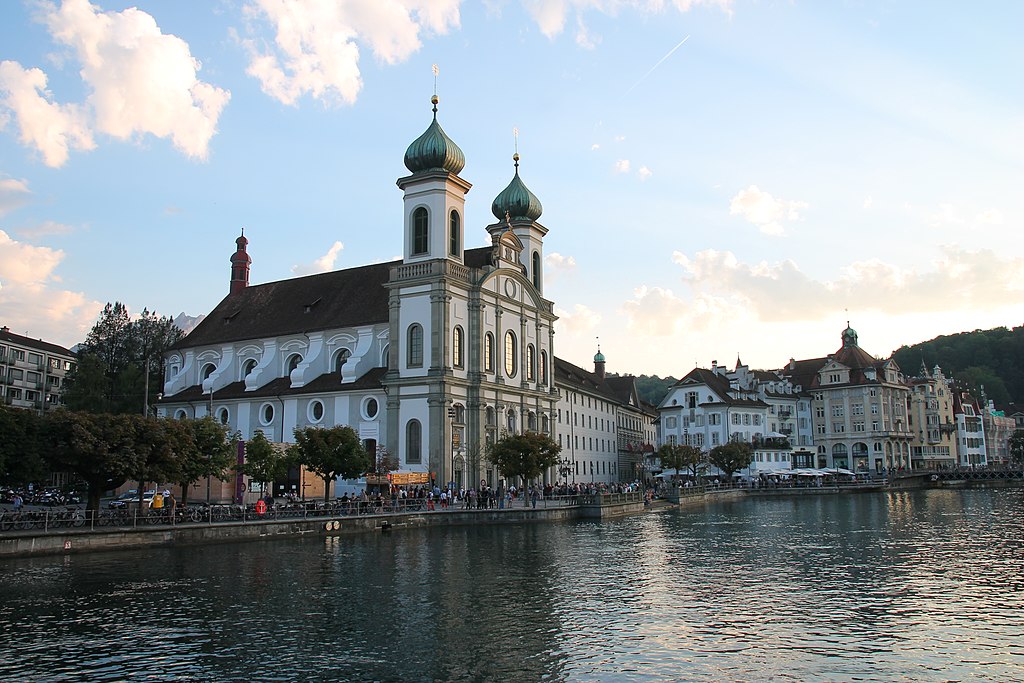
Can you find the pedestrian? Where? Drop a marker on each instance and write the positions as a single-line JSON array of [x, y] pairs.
[[18, 502], [533, 497], [170, 504]]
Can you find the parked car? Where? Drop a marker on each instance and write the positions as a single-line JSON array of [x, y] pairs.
[[132, 498]]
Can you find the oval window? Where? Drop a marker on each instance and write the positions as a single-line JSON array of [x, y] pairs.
[[316, 411], [267, 414], [370, 408]]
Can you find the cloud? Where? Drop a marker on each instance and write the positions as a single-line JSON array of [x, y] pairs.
[[321, 265], [958, 280], [45, 228], [13, 194], [141, 81], [622, 166], [53, 129], [556, 262], [551, 15], [869, 202], [316, 44], [581, 320], [29, 302], [594, 147], [644, 173], [764, 210]]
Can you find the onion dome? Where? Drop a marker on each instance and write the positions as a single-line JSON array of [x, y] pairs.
[[434, 150], [599, 357], [516, 200]]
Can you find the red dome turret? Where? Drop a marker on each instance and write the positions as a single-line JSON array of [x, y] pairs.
[[240, 265]]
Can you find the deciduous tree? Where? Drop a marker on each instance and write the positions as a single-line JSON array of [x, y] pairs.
[[731, 457], [330, 453], [524, 455], [264, 462]]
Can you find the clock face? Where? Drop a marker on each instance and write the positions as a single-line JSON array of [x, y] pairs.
[[510, 288]]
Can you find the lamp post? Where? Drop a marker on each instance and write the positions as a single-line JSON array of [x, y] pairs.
[[564, 468]]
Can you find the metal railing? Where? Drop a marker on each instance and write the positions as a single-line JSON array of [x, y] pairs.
[[40, 520]]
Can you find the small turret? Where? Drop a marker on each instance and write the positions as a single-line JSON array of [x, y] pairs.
[[240, 262]]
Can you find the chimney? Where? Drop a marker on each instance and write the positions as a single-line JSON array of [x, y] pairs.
[[240, 265]]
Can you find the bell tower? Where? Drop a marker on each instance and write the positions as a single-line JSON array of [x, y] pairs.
[[240, 262], [435, 196]]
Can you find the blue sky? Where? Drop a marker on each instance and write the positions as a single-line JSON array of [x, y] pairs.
[[718, 178]]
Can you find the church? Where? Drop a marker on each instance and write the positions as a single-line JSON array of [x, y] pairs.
[[428, 358]]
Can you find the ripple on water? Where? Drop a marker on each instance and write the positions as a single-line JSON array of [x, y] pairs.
[[902, 587]]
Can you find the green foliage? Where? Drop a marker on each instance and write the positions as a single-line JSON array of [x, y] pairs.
[[524, 455], [21, 450], [110, 376], [203, 448], [653, 388], [264, 462], [1016, 444], [731, 457], [104, 450], [330, 453], [990, 357], [680, 457]]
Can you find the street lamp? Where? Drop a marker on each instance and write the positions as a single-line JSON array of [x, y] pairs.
[[564, 468]]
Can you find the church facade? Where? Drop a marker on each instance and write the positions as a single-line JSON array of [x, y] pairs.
[[429, 358]]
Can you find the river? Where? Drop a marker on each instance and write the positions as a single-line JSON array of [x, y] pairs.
[[919, 586]]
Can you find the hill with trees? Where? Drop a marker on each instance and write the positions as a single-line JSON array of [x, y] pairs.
[[993, 359]]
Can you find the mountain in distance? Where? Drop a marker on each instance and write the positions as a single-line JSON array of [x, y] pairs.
[[186, 323]]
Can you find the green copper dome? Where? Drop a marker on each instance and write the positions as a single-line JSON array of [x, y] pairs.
[[434, 150], [599, 357], [516, 200]]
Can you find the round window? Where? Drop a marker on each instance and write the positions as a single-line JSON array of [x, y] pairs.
[[370, 408], [267, 414], [316, 411], [222, 415]]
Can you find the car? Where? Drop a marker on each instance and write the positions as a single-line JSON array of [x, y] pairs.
[[131, 498]]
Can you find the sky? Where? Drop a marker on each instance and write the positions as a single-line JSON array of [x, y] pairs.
[[720, 178]]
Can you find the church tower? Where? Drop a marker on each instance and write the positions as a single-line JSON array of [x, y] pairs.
[[434, 196], [520, 208]]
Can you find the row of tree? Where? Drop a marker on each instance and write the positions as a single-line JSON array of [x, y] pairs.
[[729, 457]]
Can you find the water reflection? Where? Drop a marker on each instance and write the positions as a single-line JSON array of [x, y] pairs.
[[888, 587]]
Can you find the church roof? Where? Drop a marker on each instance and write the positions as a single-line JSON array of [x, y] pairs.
[[339, 298]]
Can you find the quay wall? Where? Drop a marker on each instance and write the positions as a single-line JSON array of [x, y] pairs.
[[66, 541]]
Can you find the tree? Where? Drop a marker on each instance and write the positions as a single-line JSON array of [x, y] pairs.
[[330, 453], [203, 449], [111, 374], [21, 458], [731, 457], [101, 449], [1016, 444], [382, 462], [524, 455], [263, 461], [678, 457]]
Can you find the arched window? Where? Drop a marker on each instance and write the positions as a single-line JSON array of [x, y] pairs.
[[511, 361], [460, 414], [488, 352], [543, 368], [531, 365], [340, 360], [413, 445], [293, 362], [454, 234], [420, 231], [457, 347], [512, 421], [415, 358], [385, 356], [248, 367], [544, 426], [531, 421], [490, 417], [536, 270], [207, 371]]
